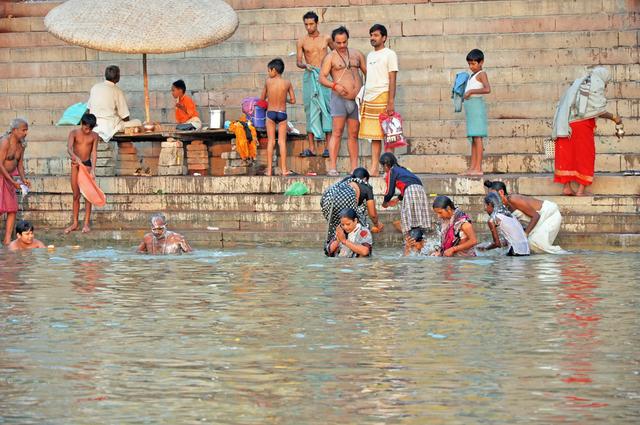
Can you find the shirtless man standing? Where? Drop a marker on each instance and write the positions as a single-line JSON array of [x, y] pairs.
[[163, 241], [343, 65], [12, 164], [312, 48]]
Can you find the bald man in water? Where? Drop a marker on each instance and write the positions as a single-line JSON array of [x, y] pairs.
[[162, 241]]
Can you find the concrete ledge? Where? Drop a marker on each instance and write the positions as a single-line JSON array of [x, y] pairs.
[[230, 239]]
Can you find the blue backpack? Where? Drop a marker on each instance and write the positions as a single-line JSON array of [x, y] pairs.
[[457, 91]]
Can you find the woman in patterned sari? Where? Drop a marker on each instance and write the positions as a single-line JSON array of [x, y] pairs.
[[355, 192], [457, 237]]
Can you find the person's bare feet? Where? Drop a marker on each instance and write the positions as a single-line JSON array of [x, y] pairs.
[[71, 228], [568, 192], [86, 228], [464, 173]]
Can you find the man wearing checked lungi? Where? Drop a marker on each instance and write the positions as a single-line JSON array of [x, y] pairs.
[[379, 92]]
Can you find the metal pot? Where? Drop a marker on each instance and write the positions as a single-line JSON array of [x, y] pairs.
[[217, 118]]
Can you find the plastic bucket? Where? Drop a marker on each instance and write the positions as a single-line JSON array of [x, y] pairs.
[[259, 118]]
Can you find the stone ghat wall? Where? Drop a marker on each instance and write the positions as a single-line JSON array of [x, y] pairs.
[[533, 49], [225, 211]]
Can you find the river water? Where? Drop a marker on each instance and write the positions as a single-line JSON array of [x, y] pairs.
[[276, 336]]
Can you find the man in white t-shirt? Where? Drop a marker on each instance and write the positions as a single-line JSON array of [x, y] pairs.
[[108, 104], [379, 92]]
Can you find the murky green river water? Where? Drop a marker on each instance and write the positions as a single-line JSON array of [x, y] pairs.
[[275, 336]]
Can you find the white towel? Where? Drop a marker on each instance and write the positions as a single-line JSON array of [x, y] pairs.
[[544, 234]]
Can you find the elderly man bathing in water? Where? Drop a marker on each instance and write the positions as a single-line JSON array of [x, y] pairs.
[[344, 65], [163, 241]]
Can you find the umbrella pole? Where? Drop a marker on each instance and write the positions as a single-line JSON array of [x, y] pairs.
[[146, 88]]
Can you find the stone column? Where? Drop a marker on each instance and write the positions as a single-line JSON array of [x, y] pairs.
[[107, 159], [171, 161]]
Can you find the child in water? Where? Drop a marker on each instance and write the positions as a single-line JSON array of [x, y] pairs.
[[24, 238], [457, 237], [415, 243], [352, 239], [503, 224]]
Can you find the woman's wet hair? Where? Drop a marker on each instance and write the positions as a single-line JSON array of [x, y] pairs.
[[443, 202], [360, 173], [349, 213], [416, 233], [495, 185], [388, 159], [493, 199], [23, 226]]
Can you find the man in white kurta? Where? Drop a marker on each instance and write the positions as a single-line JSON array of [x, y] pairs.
[[108, 104]]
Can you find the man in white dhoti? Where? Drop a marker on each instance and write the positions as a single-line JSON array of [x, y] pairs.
[[545, 218], [108, 104]]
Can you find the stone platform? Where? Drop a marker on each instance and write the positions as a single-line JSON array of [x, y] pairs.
[[245, 211]]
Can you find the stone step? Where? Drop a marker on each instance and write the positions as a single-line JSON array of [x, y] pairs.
[[529, 184], [29, 39], [500, 163], [26, 9], [416, 52], [506, 145], [308, 221], [432, 128], [274, 11], [45, 109], [227, 239], [307, 203], [21, 24]]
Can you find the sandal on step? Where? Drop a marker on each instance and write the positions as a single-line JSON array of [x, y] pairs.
[[307, 153]]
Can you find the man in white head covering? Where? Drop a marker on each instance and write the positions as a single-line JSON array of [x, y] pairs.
[[573, 129]]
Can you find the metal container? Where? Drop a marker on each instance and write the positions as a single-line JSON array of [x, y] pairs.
[[217, 118]]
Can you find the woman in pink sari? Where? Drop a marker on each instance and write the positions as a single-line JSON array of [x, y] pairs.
[[457, 237]]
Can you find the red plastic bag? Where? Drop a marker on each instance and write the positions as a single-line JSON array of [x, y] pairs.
[[392, 129]]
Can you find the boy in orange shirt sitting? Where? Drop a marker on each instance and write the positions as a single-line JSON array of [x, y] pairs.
[[186, 112]]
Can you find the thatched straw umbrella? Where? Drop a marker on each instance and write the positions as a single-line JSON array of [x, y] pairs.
[[149, 26]]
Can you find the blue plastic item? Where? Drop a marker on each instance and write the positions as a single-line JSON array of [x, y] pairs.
[[457, 91], [259, 118], [72, 114]]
